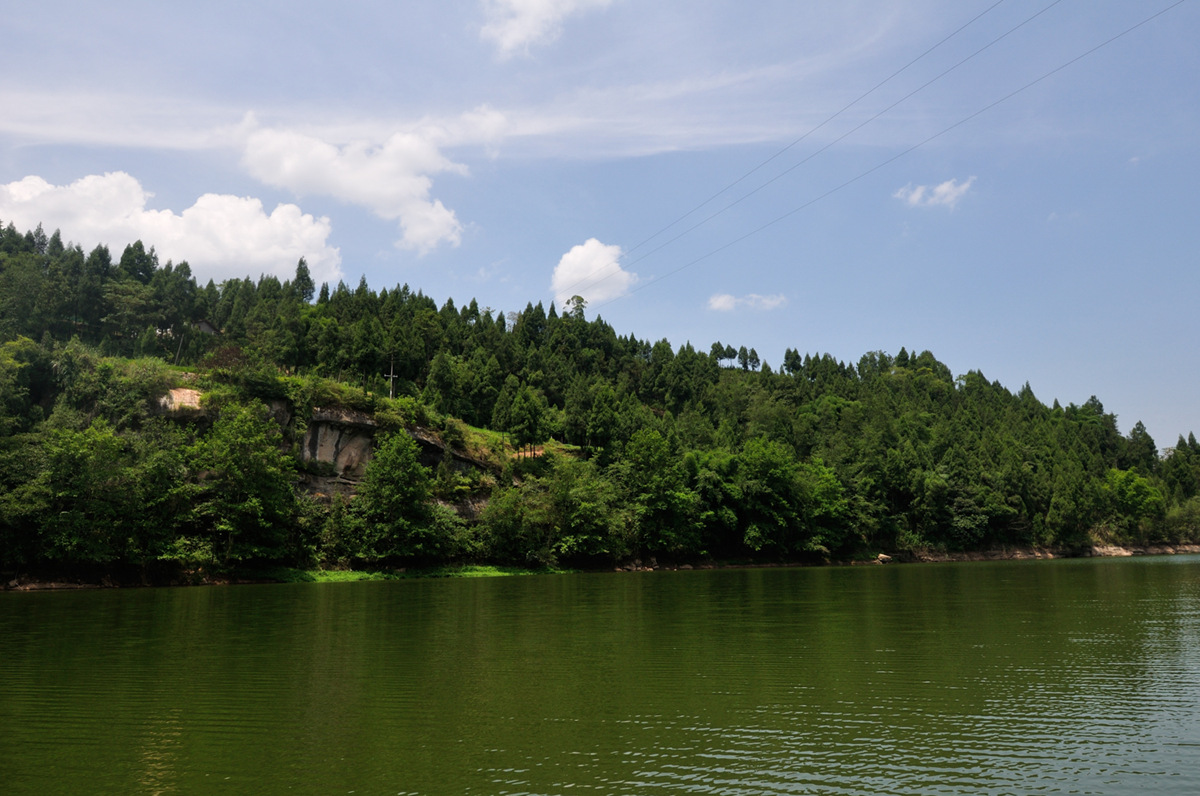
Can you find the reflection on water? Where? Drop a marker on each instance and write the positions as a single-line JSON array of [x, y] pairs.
[[1013, 677], [158, 758]]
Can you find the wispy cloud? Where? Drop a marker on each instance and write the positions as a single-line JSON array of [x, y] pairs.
[[726, 302], [946, 194], [114, 119], [591, 270], [221, 236], [516, 25]]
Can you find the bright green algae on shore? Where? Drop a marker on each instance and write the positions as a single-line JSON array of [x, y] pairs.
[[289, 575]]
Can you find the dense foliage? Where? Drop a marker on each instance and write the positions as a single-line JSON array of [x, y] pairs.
[[661, 451]]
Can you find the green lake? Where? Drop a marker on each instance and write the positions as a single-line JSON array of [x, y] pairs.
[[1069, 676]]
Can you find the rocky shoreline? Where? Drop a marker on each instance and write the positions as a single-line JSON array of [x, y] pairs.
[[23, 582], [932, 557], [1093, 551]]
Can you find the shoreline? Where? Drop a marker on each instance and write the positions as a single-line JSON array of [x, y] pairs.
[[1091, 551], [26, 582]]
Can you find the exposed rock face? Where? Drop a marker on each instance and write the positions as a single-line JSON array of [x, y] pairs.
[[433, 452], [342, 438], [180, 399], [280, 411], [337, 443]]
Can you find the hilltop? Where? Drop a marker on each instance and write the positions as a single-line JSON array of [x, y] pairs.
[[153, 426]]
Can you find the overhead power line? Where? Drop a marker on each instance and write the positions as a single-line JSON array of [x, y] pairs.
[[901, 154], [828, 119], [600, 275], [850, 132]]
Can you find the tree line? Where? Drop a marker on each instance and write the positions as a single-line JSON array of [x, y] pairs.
[[657, 450]]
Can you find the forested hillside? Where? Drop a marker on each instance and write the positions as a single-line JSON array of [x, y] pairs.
[[636, 448]]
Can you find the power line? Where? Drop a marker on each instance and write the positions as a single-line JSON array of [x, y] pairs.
[[829, 119], [595, 278], [849, 132], [901, 154]]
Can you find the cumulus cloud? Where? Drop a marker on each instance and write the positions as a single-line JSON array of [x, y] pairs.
[[392, 178], [726, 302], [946, 194], [221, 236], [515, 25], [591, 270]]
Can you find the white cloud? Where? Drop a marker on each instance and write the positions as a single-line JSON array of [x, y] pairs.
[[221, 236], [591, 270], [726, 302], [946, 194], [392, 178], [722, 302], [514, 25]]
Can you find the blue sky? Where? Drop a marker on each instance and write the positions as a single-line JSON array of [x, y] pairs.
[[523, 150]]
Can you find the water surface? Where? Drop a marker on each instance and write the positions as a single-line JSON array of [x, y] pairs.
[[1077, 677]]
